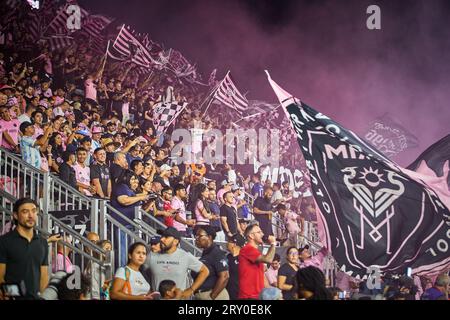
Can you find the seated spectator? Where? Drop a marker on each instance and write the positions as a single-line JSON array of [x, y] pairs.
[[96, 275], [164, 175], [129, 283], [155, 244], [311, 284], [169, 291]]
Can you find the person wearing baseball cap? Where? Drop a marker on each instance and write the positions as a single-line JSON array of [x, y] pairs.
[[234, 245], [164, 175], [174, 263], [226, 186], [307, 259], [155, 244]]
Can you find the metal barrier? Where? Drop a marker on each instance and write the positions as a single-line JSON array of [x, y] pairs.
[[91, 260]]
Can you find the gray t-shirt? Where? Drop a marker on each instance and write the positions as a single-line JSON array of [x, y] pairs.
[[175, 267]]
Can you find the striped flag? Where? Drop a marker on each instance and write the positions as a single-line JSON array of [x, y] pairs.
[[229, 95], [94, 25], [59, 42], [127, 45]]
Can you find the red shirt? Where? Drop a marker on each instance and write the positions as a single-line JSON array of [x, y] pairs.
[[168, 221], [251, 273]]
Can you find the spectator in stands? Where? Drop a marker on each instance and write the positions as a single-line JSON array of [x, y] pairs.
[[215, 210], [214, 287], [262, 210], [66, 170], [277, 197], [99, 174], [70, 293], [229, 217], [226, 187], [62, 260], [57, 144], [36, 118], [243, 224], [271, 273], [174, 263], [119, 166], [440, 290], [129, 283], [199, 205], [258, 188], [149, 170], [137, 166], [83, 173], [293, 223], [251, 263], [86, 144], [134, 154], [169, 291], [181, 222], [27, 115], [9, 130], [24, 253], [286, 191], [306, 259], [167, 194], [164, 175], [311, 284], [155, 244], [234, 246], [286, 280]]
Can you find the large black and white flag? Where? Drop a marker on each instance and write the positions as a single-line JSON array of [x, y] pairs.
[[228, 94], [371, 212]]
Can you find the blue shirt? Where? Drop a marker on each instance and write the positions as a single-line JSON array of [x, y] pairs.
[[30, 152], [128, 211], [258, 189]]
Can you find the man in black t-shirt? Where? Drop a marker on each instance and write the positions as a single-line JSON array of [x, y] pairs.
[[234, 246], [228, 216], [262, 210], [66, 172], [100, 176]]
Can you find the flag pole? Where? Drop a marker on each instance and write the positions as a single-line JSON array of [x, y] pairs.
[[213, 92], [104, 61]]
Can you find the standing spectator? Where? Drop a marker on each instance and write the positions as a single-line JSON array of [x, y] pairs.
[[251, 263], [262, 210], [199, 205], [83, 173], [62, 260], [137, 166], [23, 253], [292, 222], [215, 210], [234, 246], [9, 130], [311, 284], [164, 175], [308, 260], [37, 118], [96, 274], [272, 272], [27, 115], [243, 224], [129, 283], [118, 167], [215, 260], [66, 170], [174, 263], [228, 216], [181, 222], [167, 194], [287, 275], [277, 197], [286, 191], [100, 176], [149, 171], [440, 290]]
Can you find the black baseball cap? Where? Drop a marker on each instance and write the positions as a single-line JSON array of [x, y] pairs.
[[237, 239], [243, 220], [170, 232], [303, 248], [155, 240]]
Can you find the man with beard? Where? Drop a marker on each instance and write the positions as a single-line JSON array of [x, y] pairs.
[[262, 210], [174, 263], [100, 176], [23, 253]]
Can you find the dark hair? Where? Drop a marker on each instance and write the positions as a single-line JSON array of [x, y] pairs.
[[277, 257], [276, 184], [290, 248], [312, 279], [79, 149], [135, 163], [85, 139], [35, 113], [225, 194], [281, 207], [249, 229], [52, 142], [196, 195], [165, 286], [165, 189], [125, 177], [179, 187], [23, 201], [98, 150], [133, 247]]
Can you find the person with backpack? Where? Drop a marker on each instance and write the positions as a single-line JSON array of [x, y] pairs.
[[129, 283]]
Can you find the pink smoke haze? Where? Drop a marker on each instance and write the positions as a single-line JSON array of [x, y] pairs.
[[320, 51]]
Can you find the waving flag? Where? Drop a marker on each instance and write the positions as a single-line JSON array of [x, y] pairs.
[[59, 24], [371, 212], [228, 94]]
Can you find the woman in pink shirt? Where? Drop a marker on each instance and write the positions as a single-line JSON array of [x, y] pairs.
[[200, 206]]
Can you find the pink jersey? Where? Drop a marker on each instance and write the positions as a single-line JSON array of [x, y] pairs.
[[291, 222], [179, 204], [12, 127], [37, 131], [90, 89], [198, 215], [83, 175]]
